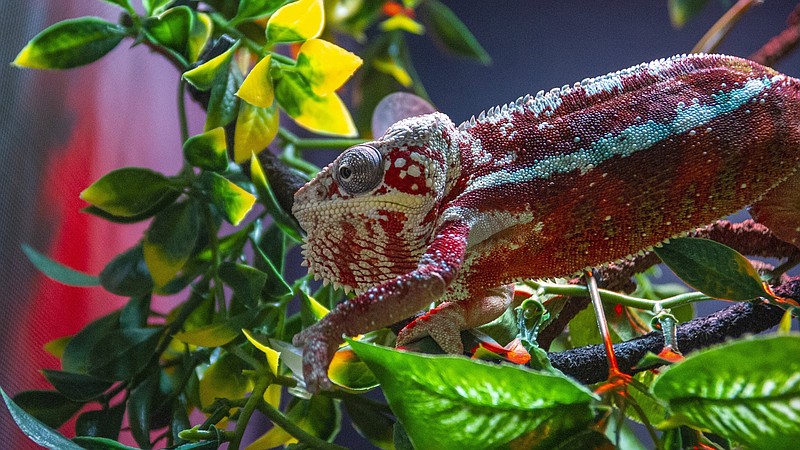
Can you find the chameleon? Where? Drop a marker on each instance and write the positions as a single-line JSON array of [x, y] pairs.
[[543, 187]]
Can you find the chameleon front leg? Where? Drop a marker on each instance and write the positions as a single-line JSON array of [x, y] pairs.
[[445, 322], [384, 304]]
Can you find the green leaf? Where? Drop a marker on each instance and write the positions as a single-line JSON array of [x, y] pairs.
[[135, 313], [255, 9], [207, 150], [127, 274], [232, 200], [452, 33], [583, 330], [155, 6], [323, 114], [165, 201], [51, 407], [256, 127], [203, 76], [712, 268], [128, 191], [123, 353], [224, 379], [58, 271], [680, 11], [448, 402], [371, 419], [140, 405], [220, 333], [100, 443], [70, 43], [76, 386], [223, 104], [276, 287], [171, 28], [170, 240], [76, 354], [101, 423], [246, 282], [746, 391], [199, 36], [296, 21], [35, 429], [124, 4]]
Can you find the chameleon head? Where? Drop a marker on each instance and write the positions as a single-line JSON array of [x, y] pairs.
[[370, 214]]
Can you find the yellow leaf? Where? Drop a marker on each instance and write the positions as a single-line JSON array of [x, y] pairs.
[[402, 22], [199, 36], [389, 67], [256, 127], [223, 379], [326, 66], [275, 437], [324, 114], [295, 22], [317, 309], [56, 346], [272, 355], [256, 89], [273, 395], [202, 76]]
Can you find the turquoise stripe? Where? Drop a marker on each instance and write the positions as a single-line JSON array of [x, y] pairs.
[[630, 140]]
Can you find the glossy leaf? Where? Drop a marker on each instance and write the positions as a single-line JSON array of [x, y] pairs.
[[140, 405], [220, 333], [712, 268], [325, 66], [349, 372], [50, 407], [165, 201], [276, 287], [746, 391], [424, 389], [127, 274], [207, 150], [35, 429], [123, 353], [170, 240], [171, 28], [202, 77], [155, 6], [254, 9], [372, 420], [259, 342], [76, 386], [200, 35], [101, 423], [257, 88], [76, 354], [256, 127], [245, 281], [70, 43], [284, 220], [223, 104], [297, 21], [321, 114], [680, 11], [232, 200], [58, 271], [128, 191], [448, 30], [224, 379]]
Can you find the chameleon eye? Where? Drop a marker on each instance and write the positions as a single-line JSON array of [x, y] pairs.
[[359, 169]]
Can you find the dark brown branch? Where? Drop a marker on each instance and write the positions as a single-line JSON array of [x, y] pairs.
[[782, 44]]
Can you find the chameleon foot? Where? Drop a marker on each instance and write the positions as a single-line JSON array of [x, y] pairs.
[[443, 323], [318, 350]]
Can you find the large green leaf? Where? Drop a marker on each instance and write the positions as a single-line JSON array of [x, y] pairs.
[[70, 43], [129, 191], [127, 274], [747, 391], [101, 423], [35, 429], [51, 407], [76, 386], [449, 402], [712, 268], [223, 104], [171, 28], [207, 150], [76, 354], [170, 240], [58, 271], [123, 353], [452, 33]]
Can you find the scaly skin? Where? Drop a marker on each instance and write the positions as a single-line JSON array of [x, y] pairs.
[[542, 187]]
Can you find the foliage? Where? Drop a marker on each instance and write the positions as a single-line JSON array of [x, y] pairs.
[[223, 351]]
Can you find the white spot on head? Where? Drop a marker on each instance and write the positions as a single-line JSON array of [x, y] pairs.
[[400, 162]]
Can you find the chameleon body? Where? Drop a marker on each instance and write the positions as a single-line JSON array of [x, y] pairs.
[[542, 187]]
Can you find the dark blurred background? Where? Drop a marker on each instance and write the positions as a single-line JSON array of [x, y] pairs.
[[62, 130]]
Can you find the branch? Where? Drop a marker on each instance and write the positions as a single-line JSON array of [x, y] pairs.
[[782, 44]]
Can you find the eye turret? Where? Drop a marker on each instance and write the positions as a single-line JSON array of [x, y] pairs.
[[359, 169]]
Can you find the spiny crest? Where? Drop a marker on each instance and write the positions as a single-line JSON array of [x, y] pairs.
[[547, 102]]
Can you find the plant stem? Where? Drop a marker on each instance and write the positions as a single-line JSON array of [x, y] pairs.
[[262, 383], [318, 143], [219, 292], [290, 427], [621, 299], [182, 111]]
